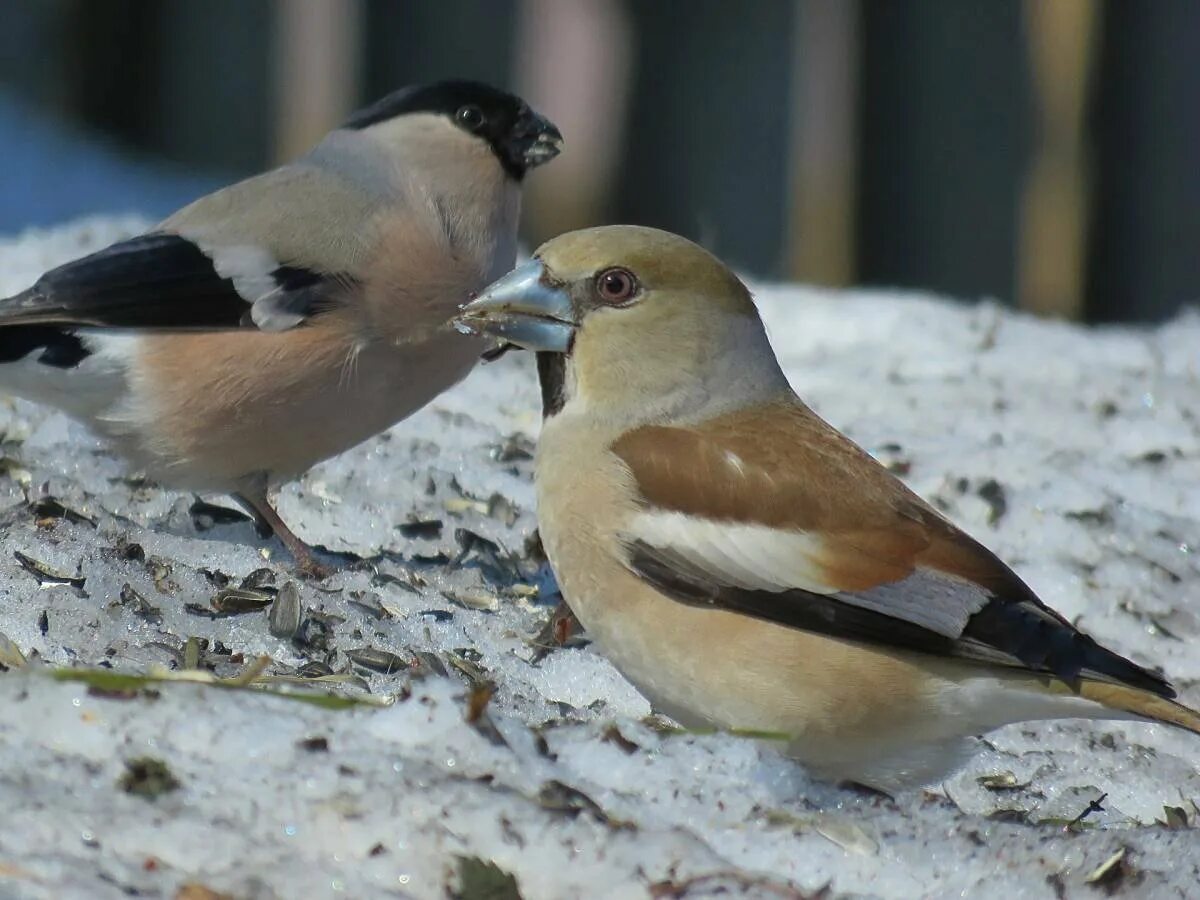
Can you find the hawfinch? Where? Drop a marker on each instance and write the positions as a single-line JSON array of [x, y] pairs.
[[747, 566], [286, 318]]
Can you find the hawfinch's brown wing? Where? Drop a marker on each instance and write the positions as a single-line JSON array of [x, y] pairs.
[[772, 513]]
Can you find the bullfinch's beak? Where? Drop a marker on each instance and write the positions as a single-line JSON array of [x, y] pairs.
[[539, 141], [525, 308]]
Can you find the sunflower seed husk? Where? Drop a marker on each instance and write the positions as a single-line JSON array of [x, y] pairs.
[[377, 660], [473, 600], [46, 576], [233, 601], [284, 618]]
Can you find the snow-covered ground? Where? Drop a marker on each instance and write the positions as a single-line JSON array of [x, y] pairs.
[[1074, 453]]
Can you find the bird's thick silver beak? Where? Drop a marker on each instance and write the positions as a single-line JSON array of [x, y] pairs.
[[523, 308], [546, 144]]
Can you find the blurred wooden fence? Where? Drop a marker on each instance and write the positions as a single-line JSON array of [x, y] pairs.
[[1044, 152]]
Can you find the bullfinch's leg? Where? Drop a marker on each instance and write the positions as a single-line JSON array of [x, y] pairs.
[[253, 496]]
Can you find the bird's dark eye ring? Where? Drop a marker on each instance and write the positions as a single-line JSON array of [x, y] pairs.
[[616, 286], [470, 117]]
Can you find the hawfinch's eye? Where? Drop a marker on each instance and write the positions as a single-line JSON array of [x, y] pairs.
[[470, 117], [616, 285]]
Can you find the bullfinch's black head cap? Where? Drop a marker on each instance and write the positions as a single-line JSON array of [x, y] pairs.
[[520, 138]]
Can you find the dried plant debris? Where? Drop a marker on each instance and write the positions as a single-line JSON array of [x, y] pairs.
[[479, 879], [147, 777], [250, 678], [194, 649], [46, 576], [715, 884], [1175, 817], [1077, 823], [193, 890], [476, 714], [283, 620], [11, 656], [1114, 874]]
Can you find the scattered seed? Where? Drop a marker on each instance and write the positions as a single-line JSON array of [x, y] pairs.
[[283, 620], [46, 576], [502, 509], [1000, 781], [381, 661], [559, 797], [993, 494], [235, 601], [496, 562], [161, 573], [438, 615], [44, 622], [208, 515], [515, 448], [313, 635], [425, 529], [314, 744], [51, 508], [370, 603], [847, 835], [259, 580], [403, 578], [430, 662], [473, 600], [612, 735], [131, 551], [314, 669]]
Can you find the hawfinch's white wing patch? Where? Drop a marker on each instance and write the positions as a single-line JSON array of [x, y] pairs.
[[776, 561]]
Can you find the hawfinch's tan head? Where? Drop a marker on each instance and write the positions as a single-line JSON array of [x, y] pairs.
[[645, 325]]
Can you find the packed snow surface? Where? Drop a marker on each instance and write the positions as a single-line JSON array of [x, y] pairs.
[[1074, 453]]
